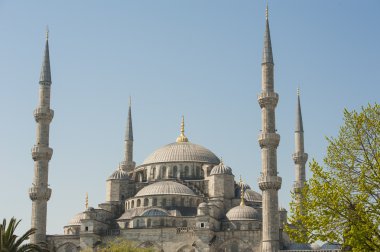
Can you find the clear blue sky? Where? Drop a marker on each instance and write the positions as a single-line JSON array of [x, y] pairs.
[[197, 58]]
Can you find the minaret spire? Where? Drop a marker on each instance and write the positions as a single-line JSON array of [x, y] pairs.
[[40, 192], [182, 137], [128, 164], [299, 156], [269, 182]]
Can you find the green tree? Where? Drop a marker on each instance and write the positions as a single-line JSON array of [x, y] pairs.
[[122, 245], [341, 201], [10, 242]]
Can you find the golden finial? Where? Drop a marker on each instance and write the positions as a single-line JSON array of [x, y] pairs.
[[86, 200], [241, 192], [47, 32], [182, 138]]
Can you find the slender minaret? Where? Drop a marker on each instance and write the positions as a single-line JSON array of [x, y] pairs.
[[269, 182], [128, 164], [40, 192], [299, 156]]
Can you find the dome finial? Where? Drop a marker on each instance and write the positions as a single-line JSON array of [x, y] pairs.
[[47, 32], [241, 192], [182, 138], [86, 200]]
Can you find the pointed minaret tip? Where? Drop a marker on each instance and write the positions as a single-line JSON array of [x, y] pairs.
[[299, 123], [267, 50], [241, 192], [129, 130], [86, 200], [45, 76]]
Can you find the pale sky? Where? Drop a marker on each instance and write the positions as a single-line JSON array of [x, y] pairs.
[[197, 58]]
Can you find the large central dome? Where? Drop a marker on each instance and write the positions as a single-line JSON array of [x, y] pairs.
[[182, 152]]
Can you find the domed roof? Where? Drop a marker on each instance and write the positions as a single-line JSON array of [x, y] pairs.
[[75, 221], [250, 195], [299, 246], [242, 212], [182, 152], [119, 174], [164, 188], [154, 212], [221, 169]]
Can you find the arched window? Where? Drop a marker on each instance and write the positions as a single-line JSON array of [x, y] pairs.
[[173, 201], [175, 172], [198, 202], [137, 223], [149, 223], [198, 172], [182, 201], [174, 223], [154, 201], [133, 204], [163, 172], [162, 222], [138, 203], [184, 223], [191, 202], [139, 177], [186, 172], [163, 202], [146, 202], [154, 173]]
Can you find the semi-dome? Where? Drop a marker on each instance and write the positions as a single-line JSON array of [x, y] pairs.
[[75, 221], [250, 195], [165, 188], [221, 169], [182, 152], [155, 212], [242, 212], [119, 174]]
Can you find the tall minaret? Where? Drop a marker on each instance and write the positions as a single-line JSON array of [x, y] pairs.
[[40, 192], [128, 164], [269, 182], [299, 156]]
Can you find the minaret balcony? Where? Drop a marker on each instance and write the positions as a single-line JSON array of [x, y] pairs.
[[298, 186], [300, 157], [269, 182], [38, 193], [267, 99], [43, 114], [269, 140], [41, 153]]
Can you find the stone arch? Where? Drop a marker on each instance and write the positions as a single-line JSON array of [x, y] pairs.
[[154, 202], [164, 202], [133, 204], [187, 248], [184, 223], [175, 172], [67, 247], [138, 203], [154, 172], [148, 223], [146, 202], [163, 172]]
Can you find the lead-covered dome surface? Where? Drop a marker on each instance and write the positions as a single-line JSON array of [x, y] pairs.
[[119, 174], [165, 188], [76, 220], [250, 195], [242, 212], [182, 152], [221, 169]]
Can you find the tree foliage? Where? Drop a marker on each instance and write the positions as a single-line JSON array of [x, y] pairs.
[[122, 245], [341, 201], [10, 242]]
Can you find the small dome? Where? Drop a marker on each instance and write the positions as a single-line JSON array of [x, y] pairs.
[[119, 174], [154, 212], [250, 195], [299, 246], [182, 152], [242, 212], [164, 188], [331, 246], [221, 169], [76, 220]]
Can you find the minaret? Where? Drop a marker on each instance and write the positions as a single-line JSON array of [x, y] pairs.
[[269, 182], [40, 192], [299, 156], [128, 164]]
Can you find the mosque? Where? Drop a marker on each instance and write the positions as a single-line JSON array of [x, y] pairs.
[[182, 197]]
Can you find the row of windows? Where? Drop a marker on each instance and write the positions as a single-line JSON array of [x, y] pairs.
[[164, 202], [161, 223], [173, 172]]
